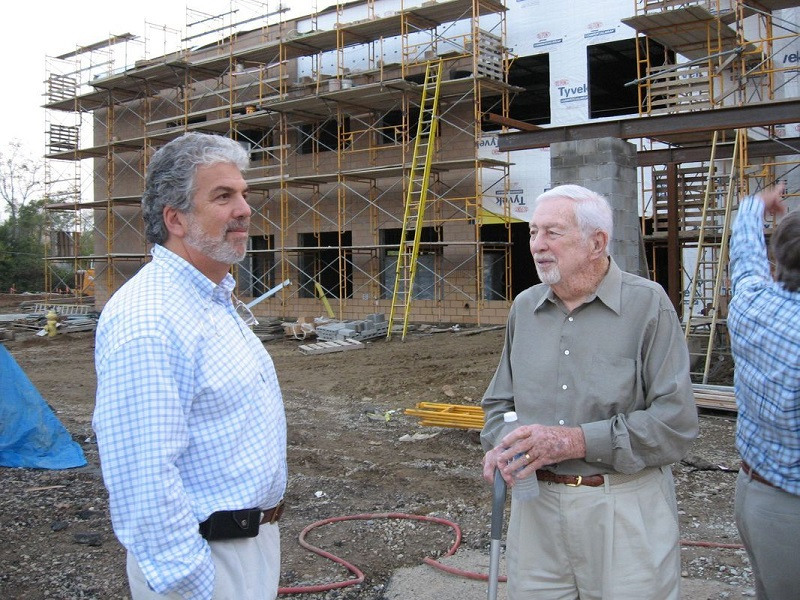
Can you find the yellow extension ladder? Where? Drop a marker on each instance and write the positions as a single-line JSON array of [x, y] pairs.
[[416, 197]]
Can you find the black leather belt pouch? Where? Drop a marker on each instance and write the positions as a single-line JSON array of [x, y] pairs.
[[231, 524]]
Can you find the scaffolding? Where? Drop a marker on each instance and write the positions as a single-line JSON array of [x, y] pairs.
[[328, 106], [68, 190], [720, 53]]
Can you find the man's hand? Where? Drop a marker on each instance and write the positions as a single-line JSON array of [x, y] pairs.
[[532, 447], [772, 197], [490, 463]]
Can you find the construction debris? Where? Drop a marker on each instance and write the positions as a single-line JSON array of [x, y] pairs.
[[304, 327], [481, 330], [71, 318], [268, 329], [372, 326], [417, 437], [376, 414]]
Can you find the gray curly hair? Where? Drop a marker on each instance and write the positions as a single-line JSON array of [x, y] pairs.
[[171, 176]]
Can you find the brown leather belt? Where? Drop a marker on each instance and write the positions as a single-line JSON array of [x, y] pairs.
[[272, 515], [750, 472], [571, 480], [595, 480]]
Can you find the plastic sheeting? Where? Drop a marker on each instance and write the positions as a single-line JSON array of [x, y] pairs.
[[30, 433]]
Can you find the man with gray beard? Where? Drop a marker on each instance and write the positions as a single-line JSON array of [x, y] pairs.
[[597, 369], [189, 415]]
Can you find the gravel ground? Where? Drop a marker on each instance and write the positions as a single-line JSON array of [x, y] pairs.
[[346, 457]]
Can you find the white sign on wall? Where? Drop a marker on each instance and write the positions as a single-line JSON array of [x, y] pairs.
[[530, 175]]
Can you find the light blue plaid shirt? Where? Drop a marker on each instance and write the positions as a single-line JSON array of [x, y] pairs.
[[764, 323], [189, 418]]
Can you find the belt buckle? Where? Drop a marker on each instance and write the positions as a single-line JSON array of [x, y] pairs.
[[577, 483]]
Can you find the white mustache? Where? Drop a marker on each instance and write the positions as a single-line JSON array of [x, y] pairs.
[[238, 224]]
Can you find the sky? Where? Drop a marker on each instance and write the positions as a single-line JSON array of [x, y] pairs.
[[32, 31]]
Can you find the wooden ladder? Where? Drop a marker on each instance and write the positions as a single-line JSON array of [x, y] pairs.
[[705, 312]]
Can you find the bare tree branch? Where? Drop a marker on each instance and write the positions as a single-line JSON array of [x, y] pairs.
[[21, 179]]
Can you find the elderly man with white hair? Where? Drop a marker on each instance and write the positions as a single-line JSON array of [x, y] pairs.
[[596, 366]]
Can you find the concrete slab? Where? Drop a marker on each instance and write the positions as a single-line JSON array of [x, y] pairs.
[[428, 583]]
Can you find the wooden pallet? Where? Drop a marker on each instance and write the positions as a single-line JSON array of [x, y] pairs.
[[332, 346]]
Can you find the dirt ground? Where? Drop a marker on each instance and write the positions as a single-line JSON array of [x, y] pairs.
[[348, 455]]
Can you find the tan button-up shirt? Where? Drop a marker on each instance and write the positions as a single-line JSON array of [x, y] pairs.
[[616, 366]]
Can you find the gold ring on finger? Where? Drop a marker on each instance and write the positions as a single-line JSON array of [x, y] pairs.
[[527, 457]]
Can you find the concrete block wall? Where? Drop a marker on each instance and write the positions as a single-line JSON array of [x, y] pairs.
[[608, 167]]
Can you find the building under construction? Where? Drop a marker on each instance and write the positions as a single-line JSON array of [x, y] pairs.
[[395, 146]]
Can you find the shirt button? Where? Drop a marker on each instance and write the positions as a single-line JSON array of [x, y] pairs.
[[561, 421], [570, 319], [599, 460], [566, 352], [563, 387]]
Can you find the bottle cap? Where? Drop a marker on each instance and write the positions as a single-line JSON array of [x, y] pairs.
[[510, 416]]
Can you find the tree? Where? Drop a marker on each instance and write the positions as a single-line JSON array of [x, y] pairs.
[[22, 233], [29, 225], [20, 184], [22, 249]]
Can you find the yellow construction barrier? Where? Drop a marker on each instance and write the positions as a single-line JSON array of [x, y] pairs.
[[459, 416]]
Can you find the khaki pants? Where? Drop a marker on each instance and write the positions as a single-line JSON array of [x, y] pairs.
[[769, 524], [612, 542], [244, 569]]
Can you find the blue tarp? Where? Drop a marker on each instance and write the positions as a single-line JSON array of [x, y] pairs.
[[30, 433]]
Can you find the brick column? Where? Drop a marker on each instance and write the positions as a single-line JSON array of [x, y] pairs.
[[608, 167]]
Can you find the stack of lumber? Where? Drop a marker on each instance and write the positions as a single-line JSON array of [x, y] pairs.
[[268, 329], [716, 397]]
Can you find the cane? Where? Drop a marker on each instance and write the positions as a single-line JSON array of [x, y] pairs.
[[498, 506]]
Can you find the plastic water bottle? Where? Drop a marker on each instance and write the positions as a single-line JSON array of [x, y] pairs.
[[527, 488]]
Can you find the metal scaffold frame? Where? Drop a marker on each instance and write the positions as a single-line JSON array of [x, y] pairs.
[[718, 62], [328, 107], [69, 188]]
